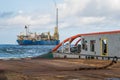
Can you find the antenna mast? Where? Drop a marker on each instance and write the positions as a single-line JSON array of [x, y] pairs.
[[56, 13], [56, 33], [56, 17]]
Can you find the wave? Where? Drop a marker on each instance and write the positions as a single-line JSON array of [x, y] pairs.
[[16, 51]]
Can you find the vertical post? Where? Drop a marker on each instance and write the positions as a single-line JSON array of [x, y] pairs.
[[26, 30], [63, 47], [56, 17], [69, 45], [56, 12], [56, 33]]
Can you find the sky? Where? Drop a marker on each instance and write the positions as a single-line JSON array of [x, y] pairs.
[[75, 17]]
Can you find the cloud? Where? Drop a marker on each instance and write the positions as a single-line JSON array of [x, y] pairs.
[[72, 7], [21, 19], [90, 13], [91, 20], [72, 13], [88, 7], [20, 11], [112, 5], [6, 14]]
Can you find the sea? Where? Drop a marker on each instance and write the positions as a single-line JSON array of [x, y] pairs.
[[18, 51]]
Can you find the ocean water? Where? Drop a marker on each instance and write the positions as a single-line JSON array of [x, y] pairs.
[[17, 51]]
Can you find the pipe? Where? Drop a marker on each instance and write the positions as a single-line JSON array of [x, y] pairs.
[[77, 42], [70, 39]]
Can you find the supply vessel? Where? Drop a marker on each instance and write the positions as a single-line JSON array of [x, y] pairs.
[[29, 38]]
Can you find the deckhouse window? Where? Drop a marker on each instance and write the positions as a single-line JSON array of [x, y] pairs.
[[92, 45]]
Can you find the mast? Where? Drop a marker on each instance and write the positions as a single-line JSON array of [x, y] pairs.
[[56, 33], [56, 17]]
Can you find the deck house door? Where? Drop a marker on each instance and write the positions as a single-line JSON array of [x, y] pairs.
[[104, 47]]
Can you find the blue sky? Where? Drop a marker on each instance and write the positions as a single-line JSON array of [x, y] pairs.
[[75, 16]]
